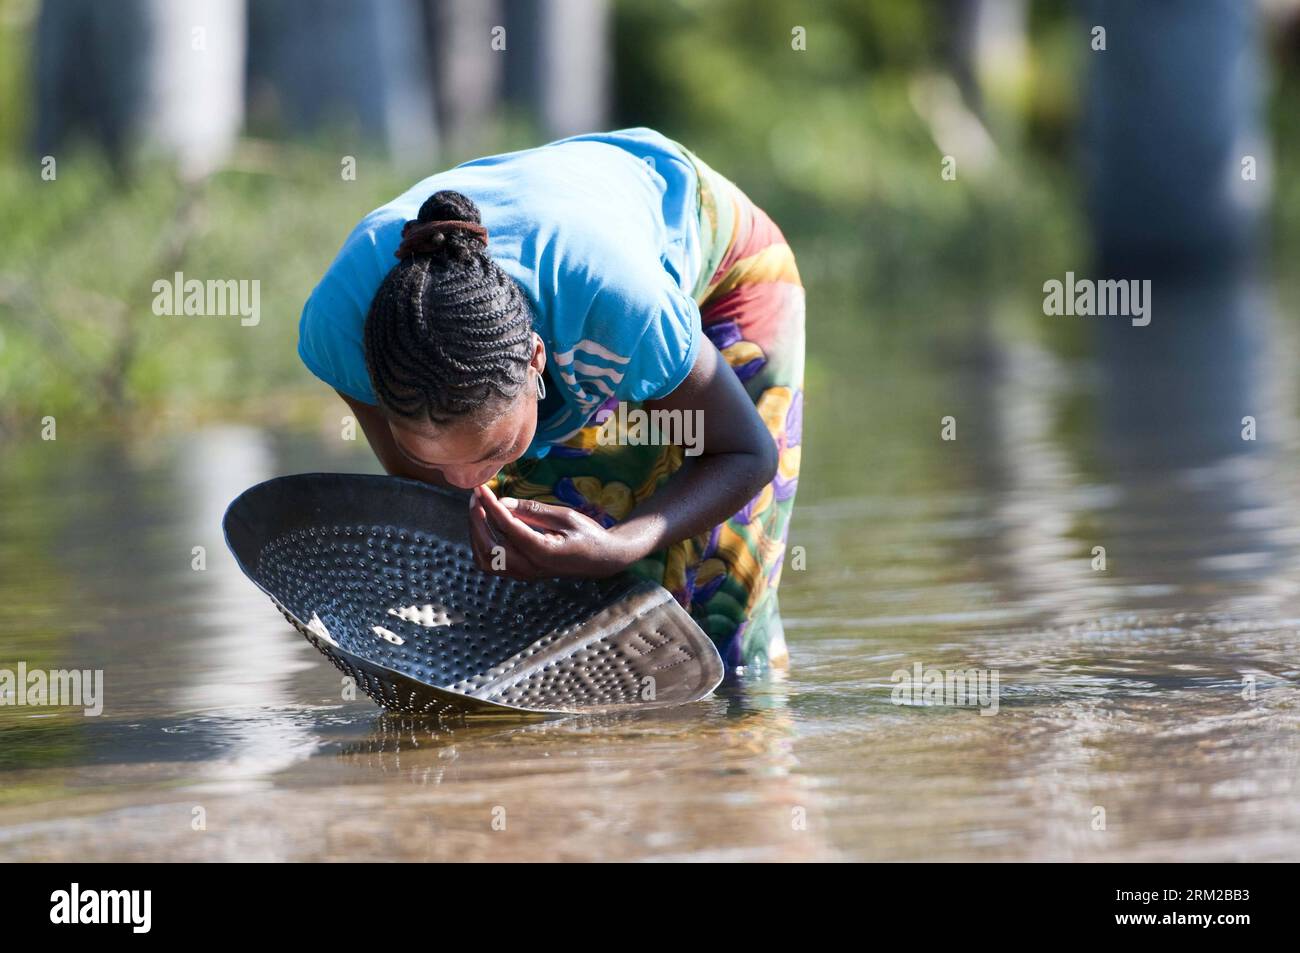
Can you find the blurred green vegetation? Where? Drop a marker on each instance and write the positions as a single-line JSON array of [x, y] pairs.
[[831, 141], [840, 142], [83, 251]]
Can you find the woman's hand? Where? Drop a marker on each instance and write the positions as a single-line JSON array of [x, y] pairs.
[[539, 540]]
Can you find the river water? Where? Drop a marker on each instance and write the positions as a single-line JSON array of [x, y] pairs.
[[1147, 706]]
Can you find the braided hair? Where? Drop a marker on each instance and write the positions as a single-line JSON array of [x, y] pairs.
[[448, 333]]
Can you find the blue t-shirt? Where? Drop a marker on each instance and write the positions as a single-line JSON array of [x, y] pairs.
[[602, 234]]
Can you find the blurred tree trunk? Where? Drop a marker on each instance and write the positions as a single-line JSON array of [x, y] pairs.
[[1172, 109], [164, 74], [559, 62], [960, 44], [361, 70], [988, 55], [87, 76], [469, 73]]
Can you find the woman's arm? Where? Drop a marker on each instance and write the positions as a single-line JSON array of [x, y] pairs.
[[738, 458]]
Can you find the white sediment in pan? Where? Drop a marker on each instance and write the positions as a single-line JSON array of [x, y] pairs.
[[429, 616], [388, 636]]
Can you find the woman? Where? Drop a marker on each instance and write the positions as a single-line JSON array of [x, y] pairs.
[[533, 294]]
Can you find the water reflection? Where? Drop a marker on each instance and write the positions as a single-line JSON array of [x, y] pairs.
[[1162, 689], [236, 673], [716, 779], [1157, 473]]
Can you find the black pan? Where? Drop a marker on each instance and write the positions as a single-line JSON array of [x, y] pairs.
[[377, 573]]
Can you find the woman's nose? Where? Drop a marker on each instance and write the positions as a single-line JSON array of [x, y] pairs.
[[467, 479]]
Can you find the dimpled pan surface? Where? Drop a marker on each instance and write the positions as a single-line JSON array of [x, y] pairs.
[[377, 573]]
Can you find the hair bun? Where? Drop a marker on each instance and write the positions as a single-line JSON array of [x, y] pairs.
[[449, 205], [448, 225]]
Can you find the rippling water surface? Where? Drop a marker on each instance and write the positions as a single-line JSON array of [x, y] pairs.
[[1146, 710]]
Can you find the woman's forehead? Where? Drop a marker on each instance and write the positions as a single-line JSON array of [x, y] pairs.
[[457, 442]]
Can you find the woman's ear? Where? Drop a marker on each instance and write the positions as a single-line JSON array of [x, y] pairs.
[[538, 360]]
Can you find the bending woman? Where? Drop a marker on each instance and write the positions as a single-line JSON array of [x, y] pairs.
[[542, 305]]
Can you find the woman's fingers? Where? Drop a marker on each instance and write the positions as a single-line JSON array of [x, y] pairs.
[[494, 554], [497, 511], [480, 538], [534, 513], [535, 539], [543, 516], [510, 529]]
